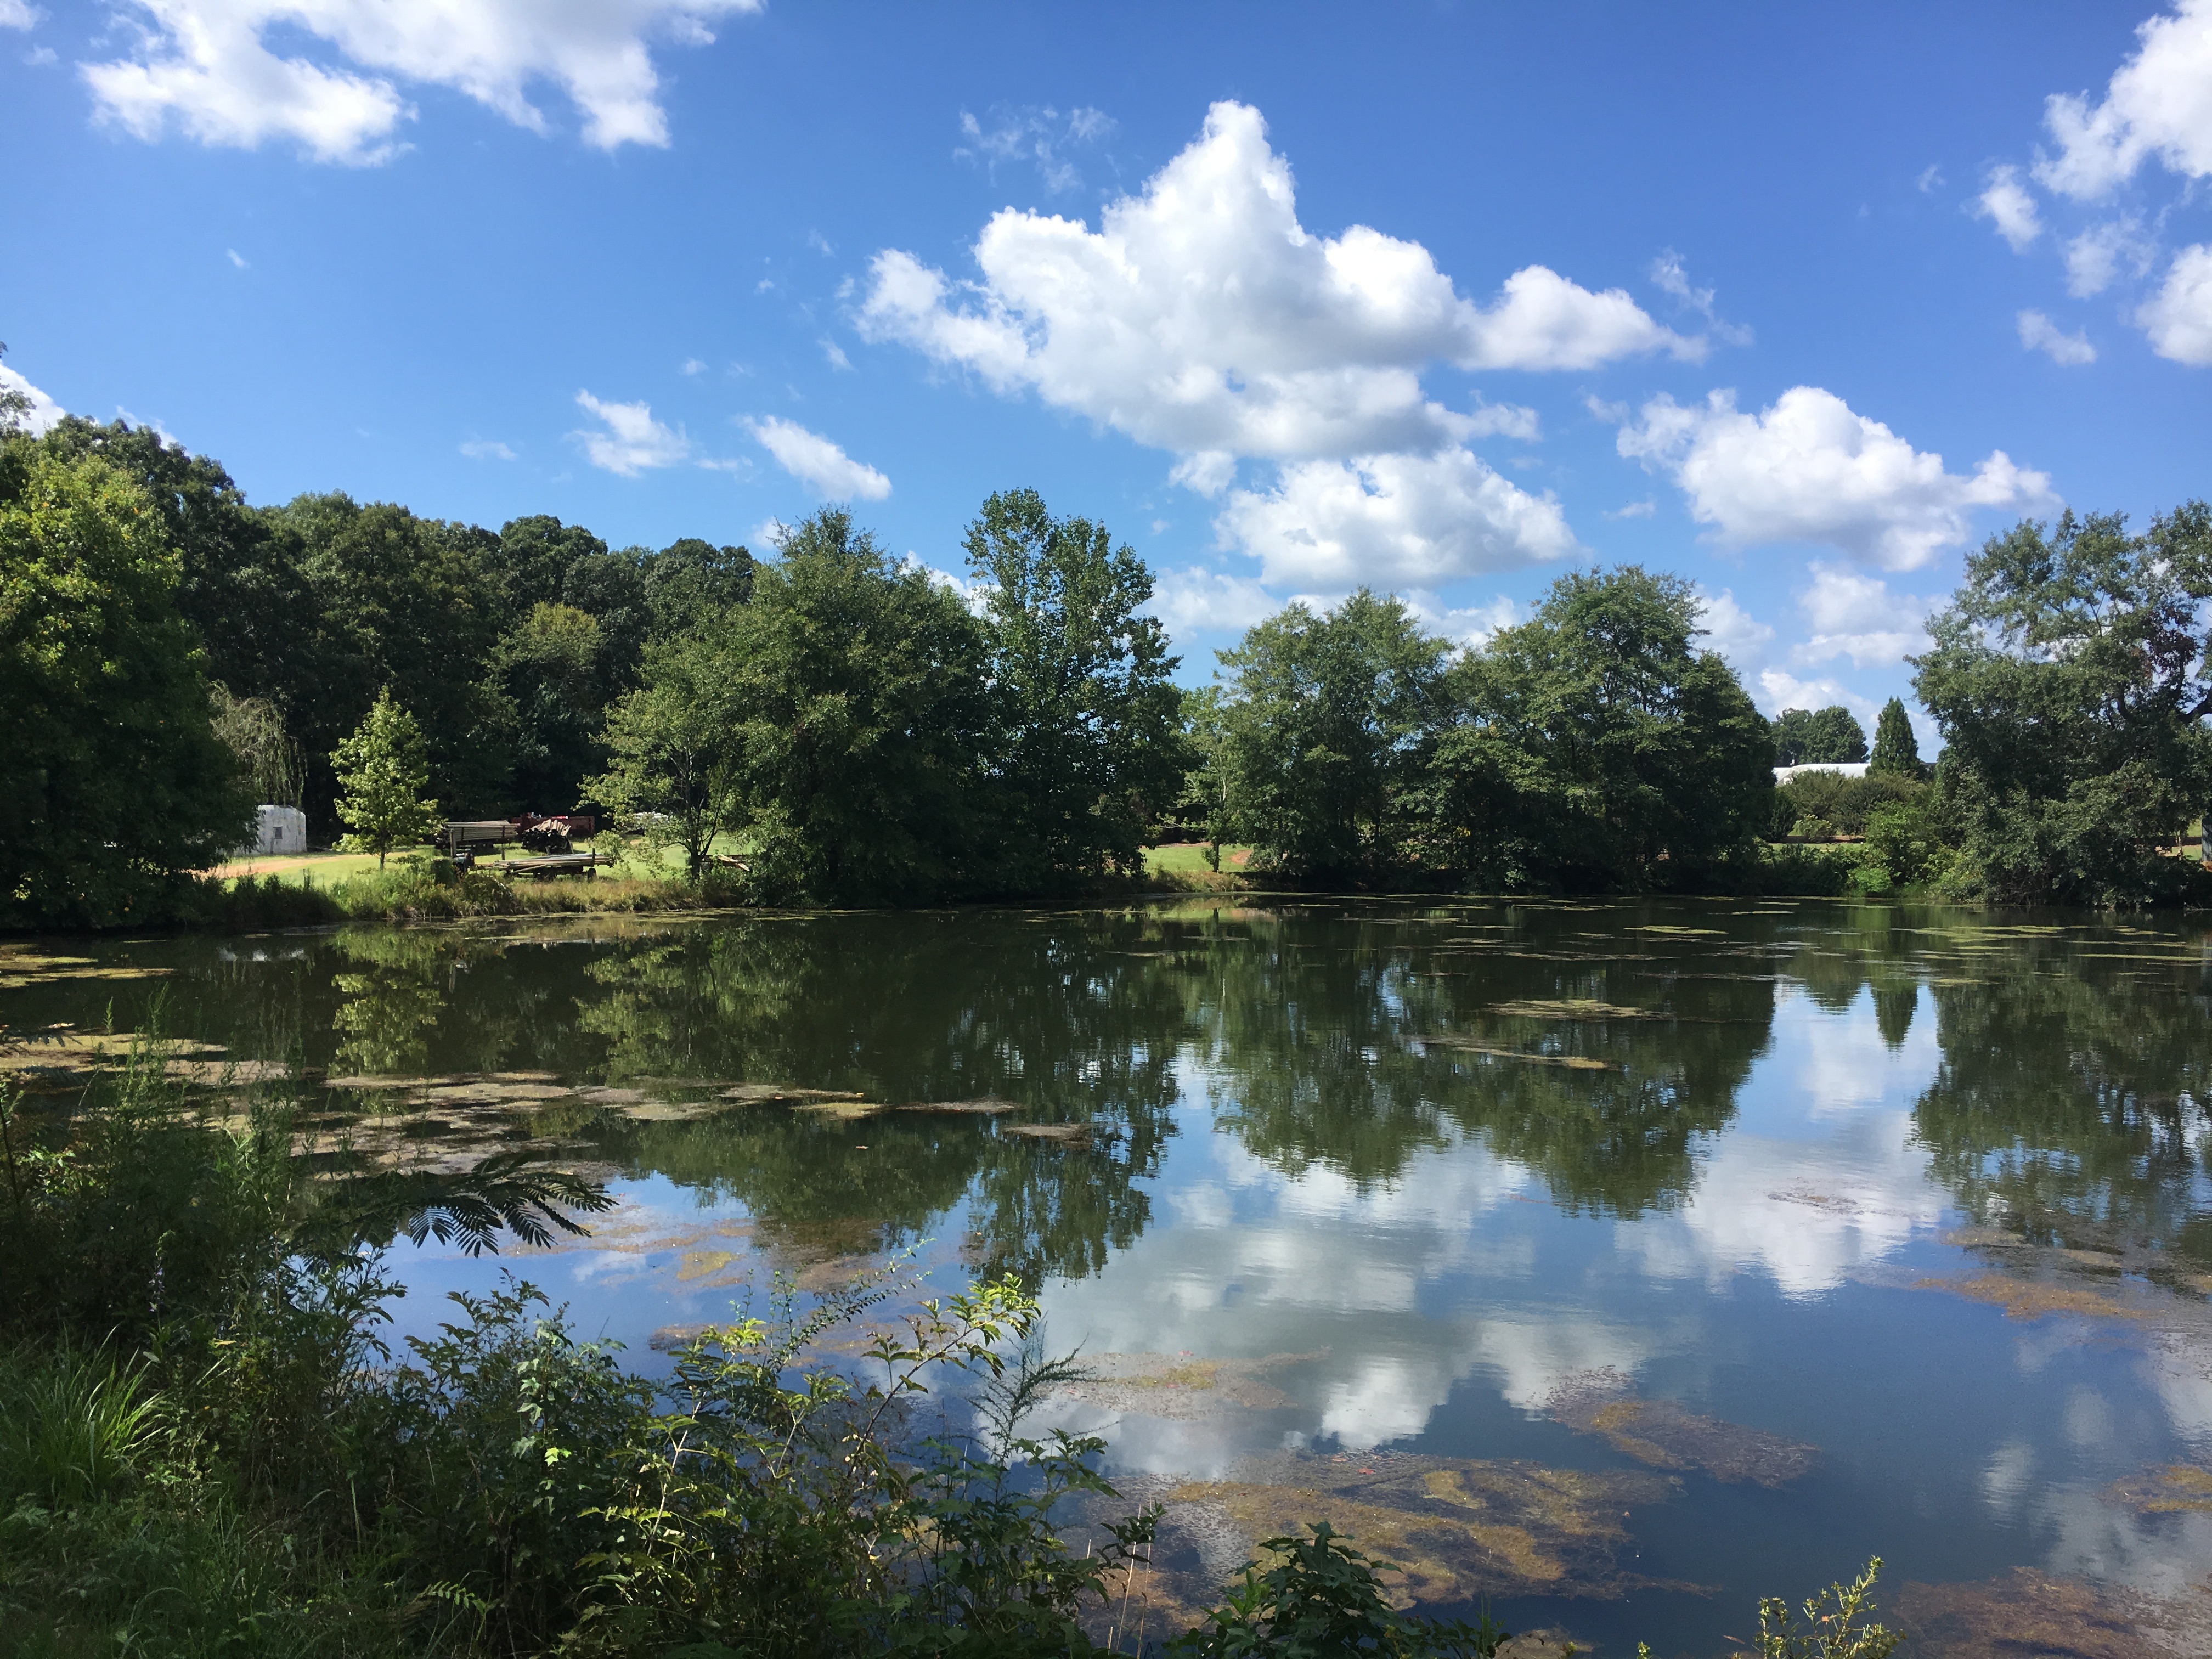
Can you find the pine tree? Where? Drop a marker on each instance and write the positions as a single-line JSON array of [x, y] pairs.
[[1896, 750], [382, 773]]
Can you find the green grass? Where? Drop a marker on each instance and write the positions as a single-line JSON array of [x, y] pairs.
[[1189, 859]]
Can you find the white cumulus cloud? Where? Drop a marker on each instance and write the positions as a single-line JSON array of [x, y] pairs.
[[1392, 520], [1855, 615], [2038, 333], [816, 462], [44, 413], [1202, 318], [19, 14], [1809, 469], [633, 440], [2005, 203], [208, 67], [1472, 626], [2093, 258], [1776, 689], [2159, 103], [2178, 317], [487, 449], [1190, 600], [1730, 630]]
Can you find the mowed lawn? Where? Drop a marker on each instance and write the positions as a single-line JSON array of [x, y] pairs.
[[324, 869], [327, 869], [1189, 859]]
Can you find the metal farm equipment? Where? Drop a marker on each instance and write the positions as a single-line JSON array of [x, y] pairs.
[[550, 839]]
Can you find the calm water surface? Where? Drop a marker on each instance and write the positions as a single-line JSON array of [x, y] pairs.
[[1629, 1261]]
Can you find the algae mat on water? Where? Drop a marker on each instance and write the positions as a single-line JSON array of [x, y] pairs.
[[1662, 1433], [1460, 1530]]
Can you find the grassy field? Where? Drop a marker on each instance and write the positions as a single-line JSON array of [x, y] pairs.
[[418, 886], [1189, 859], [324, 869]]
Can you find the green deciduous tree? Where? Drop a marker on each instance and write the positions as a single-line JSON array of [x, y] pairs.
[[1599, 747], [413, 603], [383, 773], [691, 580], [861, 720], [670, 744], [238, 584], [1090, 714], [547, 665], [2068, 676], [1819, 737], [114, 783], [1896, 749], [253, 729], [1327, 728]]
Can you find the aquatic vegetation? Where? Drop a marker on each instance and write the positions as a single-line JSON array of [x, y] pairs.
[[19, 966], [1469, 1046], [62, 1056], [1661, 1433], [2027, 1612], [1179, 1386], [1458, 1530], [2173, 1489], [2036, 1298]]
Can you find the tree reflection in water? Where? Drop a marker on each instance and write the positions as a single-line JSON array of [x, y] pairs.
[[1596, 1046]]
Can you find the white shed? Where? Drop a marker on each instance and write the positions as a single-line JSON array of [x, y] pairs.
[[1842, 769], [276, 829]]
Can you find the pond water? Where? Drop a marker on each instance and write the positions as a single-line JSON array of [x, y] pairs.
[[1616, 1262]]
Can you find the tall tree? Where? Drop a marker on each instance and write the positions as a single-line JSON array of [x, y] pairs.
[[861, 721], [1597, 744], [669, 751], [412, 604], [1818, 737], [383, 775], [238, 584], [1089, 710], [1327, 731], [549, 666], [15, 405], [1896, 746], [116, 784], [691, 580], [2069, 675], [253, 729], [534, 558]]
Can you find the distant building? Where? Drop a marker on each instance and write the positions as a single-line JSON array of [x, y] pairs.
[[276, 829], [1842, 768]]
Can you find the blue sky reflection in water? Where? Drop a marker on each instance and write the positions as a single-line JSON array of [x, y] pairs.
[[1383, 1181]]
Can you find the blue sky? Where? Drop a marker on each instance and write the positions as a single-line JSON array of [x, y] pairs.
[[1800, 303]]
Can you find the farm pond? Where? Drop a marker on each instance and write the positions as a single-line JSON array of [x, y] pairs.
[[1612, 1263]]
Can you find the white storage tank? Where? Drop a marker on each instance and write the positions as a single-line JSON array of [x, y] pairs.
[[276, 829]]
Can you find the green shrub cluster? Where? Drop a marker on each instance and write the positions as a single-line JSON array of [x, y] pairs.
[[1822, 805]]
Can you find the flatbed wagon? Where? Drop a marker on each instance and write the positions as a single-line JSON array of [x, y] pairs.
[[552, 865]]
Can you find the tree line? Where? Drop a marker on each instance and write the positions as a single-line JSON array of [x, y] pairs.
[[860, 733]]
